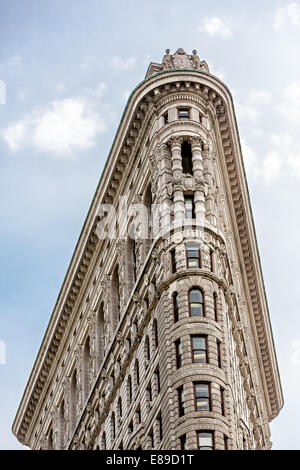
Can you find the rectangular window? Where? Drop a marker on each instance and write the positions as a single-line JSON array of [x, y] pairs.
[[173, 260], [205, 440], [157, 378], [219, 354], [178, 348], [187, 158], [202, 396], [159, 422], [183, 442], [180, 394], [212, 265], [149, 393], [222, 393], [193, 256], [183, 113], [138, 415], [225, 442], [189, 207], [166, 118], [176, 307], [199, 349]]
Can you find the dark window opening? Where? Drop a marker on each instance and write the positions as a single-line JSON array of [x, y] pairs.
[[187, 158]]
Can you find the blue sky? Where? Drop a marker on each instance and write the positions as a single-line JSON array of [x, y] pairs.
[[70, 65]]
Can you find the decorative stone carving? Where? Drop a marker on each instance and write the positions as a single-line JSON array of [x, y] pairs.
[[167, 60]]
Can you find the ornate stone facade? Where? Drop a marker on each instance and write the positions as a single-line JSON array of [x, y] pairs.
[[161, 341]]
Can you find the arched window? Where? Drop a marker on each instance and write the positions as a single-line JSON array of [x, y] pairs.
[[196, 302], [176, 307], [115, 297], [215, 306], [100, 334], [86, 367]]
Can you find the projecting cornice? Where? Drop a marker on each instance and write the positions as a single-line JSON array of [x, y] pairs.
[[131, 135]]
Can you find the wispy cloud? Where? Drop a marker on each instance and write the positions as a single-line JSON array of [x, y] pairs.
[[289, 104], [287, 16], [61, 129], [87, 61], [250, 109], [265, 169], [216, 26], [13, 61], [296, 352], [119, 64]]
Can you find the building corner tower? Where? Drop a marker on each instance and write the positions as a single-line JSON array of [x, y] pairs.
[[161, 337]]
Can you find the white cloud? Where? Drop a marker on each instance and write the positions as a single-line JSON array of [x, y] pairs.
[[271, 167], [96, 92], [119, 64], [87, 61], [287, 16], [289, 106], [262, 169], [250, 109], [61, 129], [14, 61], [296, 352], [216, 26]]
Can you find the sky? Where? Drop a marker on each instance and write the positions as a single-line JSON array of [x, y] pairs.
[[67, 68]]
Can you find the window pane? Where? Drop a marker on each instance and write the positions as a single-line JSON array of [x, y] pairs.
[[193, 263], [196, 310], [199, 356], [183, 114], [199, 343], [202, 404], [205, 440], [193, 251], [196, 295], [202, 390]]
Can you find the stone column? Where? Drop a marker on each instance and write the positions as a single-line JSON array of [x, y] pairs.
[[165, 185], [178, 197], [210, 183], [199, 197]]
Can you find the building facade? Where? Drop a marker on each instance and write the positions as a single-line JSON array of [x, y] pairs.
[[161, 337]]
